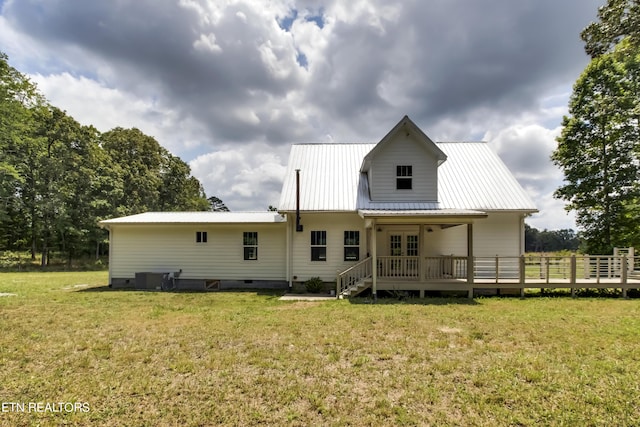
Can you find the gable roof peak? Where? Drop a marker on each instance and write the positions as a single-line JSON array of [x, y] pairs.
[[409, 127]]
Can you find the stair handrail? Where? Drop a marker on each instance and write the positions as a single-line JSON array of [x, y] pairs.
[[352, 275]]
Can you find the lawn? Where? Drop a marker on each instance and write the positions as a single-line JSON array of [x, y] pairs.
[[246, 358]]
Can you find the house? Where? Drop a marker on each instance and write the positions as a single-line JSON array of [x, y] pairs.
[[423, 213]]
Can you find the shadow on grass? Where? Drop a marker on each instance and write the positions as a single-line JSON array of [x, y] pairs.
[[276, 293], [583, 293], [416, 301]]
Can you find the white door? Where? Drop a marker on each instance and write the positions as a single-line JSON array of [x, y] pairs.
[[405, 245]]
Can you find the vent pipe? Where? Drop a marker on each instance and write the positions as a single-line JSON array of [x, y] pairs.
[[298, 225]]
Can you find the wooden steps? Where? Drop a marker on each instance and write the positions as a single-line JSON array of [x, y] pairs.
[[356, 289]]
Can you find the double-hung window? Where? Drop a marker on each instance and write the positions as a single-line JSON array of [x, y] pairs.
[[318, 246], [250, 244], [404, 176], [351, 245]]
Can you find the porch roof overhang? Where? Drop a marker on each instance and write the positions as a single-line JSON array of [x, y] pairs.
[[422, 216]]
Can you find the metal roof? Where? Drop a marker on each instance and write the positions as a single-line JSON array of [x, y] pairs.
[[329, 176], [404, 125], [472, 178], [198, 218]]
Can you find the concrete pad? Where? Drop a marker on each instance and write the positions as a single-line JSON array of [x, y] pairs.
[[306, 297]]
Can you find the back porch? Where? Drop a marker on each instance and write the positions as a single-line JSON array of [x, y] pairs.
[[468, 274]]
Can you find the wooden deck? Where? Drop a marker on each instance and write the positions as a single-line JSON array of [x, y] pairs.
[[514, 273]]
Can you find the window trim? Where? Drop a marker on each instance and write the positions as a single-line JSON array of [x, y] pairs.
[[404, 177], [249, 245], [349, 237], [318, 244]]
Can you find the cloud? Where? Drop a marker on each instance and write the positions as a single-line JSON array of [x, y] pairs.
[[526, 150], [209, 78], [245, 178]]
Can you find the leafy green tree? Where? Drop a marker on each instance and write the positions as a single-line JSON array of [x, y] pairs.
[[618, 20], [550, 240], [151, 178], [179, 190], [59, 178], [18, 99], [138, 157], [598, 149]]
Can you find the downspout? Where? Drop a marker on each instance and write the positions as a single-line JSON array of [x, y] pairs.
[[110, 231], [289, 252], [298, 225]]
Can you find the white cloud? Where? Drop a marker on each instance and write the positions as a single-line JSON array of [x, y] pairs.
[[526, 150], [244, 178], [217, 81], [207, 42]]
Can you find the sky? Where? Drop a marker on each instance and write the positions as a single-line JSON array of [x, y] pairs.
[[229, 85]]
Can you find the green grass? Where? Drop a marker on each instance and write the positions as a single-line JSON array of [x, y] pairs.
[[245, 358]]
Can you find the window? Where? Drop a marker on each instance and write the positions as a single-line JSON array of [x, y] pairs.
[[318, 246], [404, 175], [250, 243], [201, 237], [351, 245]]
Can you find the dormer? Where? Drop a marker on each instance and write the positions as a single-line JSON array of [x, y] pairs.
[[403, 166]]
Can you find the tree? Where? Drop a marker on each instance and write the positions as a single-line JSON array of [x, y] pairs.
[[217, 205], [179, 190], [549, 240], [59, 178], [18, 100], [618, 20], [598, 148], [152, 179]]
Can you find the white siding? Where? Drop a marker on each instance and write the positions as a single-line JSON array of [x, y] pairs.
[[498, 234], [335, 224], [404, 151], [158, 248]]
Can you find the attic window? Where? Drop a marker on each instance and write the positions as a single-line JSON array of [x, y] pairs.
[[404, 176]]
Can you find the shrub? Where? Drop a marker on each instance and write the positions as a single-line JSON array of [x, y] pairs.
[[315, 285]]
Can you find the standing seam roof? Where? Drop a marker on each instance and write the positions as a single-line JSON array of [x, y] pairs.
[[472, 178]]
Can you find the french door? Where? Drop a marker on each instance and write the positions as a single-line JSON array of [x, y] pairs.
[[405, 246]]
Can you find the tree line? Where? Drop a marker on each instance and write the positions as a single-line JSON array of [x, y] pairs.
[[550, 240], [59, 178]]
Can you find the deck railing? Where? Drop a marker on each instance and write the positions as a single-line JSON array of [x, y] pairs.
[[445, 267], [538, 268], [398, 267]]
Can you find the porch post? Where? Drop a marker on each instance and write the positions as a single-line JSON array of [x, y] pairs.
[[623, 276], [470, 258], [374, 260], [288, 253], [421, 243]]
